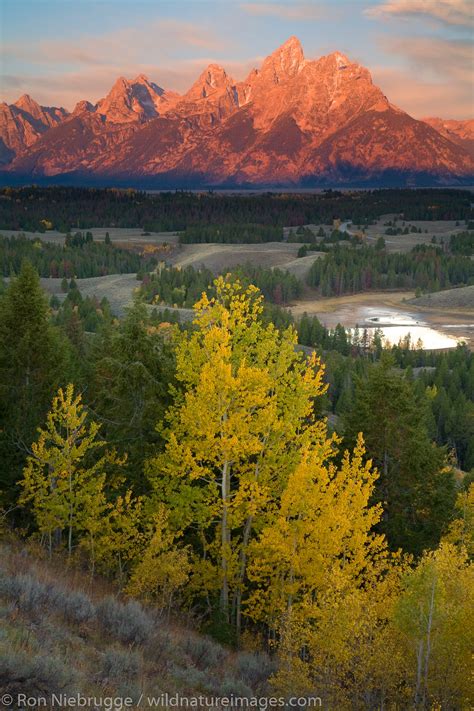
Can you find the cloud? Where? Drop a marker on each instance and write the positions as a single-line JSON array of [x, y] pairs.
[[433, 72], [436, 78], [158, 38], [420, 97], [59, 72], [286, 11], [434, 56], [449, 12]]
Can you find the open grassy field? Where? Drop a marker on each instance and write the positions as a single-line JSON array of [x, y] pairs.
[[122, 235], [117, 288], [135, 237], [461, 298], [217, 257], [447, 310]]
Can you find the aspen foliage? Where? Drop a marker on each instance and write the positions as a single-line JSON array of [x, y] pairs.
[[64, 480], [435, 616], [121, 537], [321, 582], [257, 521], [461, 530], [243, 413], [164, 568]]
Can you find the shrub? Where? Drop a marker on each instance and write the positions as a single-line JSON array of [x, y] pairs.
[[127, 622], [34, 676], [235, 687], [119, 664], [204, 652], [29, 594], [255, 669], [75, 606], [192, 679]]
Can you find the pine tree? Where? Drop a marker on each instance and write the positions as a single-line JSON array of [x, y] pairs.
[[33, 361], [133, 369], [415, 486]]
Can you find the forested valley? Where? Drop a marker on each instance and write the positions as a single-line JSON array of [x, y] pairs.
[[243, 490], [35, 208]]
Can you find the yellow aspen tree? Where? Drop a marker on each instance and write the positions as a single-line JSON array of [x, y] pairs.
[[435, 615], [61, 483], [461, 530], [313, 568], [245, 407], [164, 567], [120, 538]]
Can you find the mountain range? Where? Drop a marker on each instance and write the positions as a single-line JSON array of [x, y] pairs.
[[292, 122]]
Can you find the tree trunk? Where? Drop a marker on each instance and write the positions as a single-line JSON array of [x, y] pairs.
[[225, 541], [419, 666], [243, 566], [428, 642]]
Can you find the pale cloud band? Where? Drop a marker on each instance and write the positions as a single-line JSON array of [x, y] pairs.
[[174, 52], [287, 11], [451, 12]]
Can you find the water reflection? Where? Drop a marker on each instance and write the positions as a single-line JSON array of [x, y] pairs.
[[395, 326]]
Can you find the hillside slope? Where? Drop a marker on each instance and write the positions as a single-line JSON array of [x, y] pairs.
[[64, 633]]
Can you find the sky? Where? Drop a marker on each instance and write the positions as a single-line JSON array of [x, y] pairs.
[[420, 52]]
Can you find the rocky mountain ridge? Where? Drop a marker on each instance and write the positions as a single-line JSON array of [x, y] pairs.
[[292, 122]]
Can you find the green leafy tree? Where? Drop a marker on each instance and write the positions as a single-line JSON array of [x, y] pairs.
[[65, 477]]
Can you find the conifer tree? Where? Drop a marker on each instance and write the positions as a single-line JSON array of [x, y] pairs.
[[415, 486], [33, 361], [133, 368]]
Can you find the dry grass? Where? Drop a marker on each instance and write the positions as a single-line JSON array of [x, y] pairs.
[[217, 257], [313, 304], [44, 651], [125, 236], [117, 288], [461, 298]]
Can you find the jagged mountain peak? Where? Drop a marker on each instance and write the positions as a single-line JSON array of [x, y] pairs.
[[285, 62], [83, 107], [291, 121], [141, 79], [211, 80], [25, 101], [136, 100]]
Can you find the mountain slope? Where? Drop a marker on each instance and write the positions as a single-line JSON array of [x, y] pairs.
[[460, 132], [292, 121], [22, 123]]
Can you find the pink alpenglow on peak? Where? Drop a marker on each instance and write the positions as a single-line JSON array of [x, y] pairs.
[[293, 121]]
